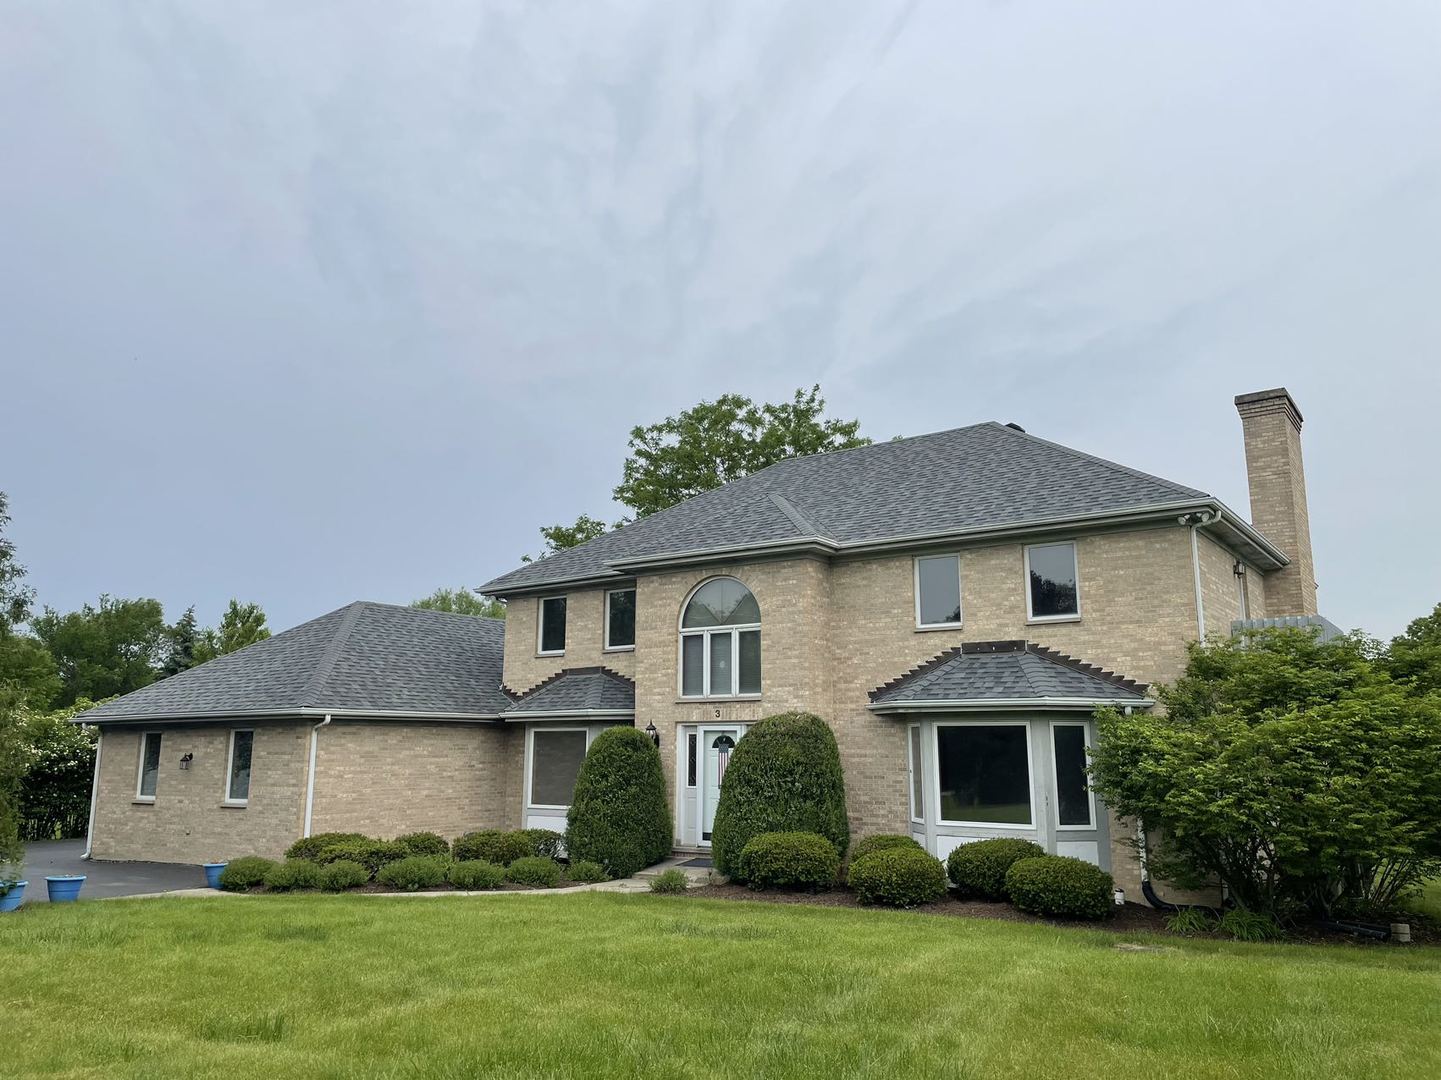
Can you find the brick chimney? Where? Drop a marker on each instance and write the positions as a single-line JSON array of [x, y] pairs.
[[1271, 426]]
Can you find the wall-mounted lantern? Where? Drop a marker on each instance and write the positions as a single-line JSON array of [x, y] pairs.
[[654, 735], [186, 760]]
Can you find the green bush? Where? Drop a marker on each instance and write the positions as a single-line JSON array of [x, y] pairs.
[[1246, 925], [310, 847], [586, 872], [546, 843], [898, 877], [979, 868], [535, 871], [491, 845], [1061, 886], [424, 843], [670, 881], [880, 842], [343, 874], [784, 776], [476, 874], [788, 860], [293, 874], [371, 854], [618, 815], [245, 872], [412, 873]]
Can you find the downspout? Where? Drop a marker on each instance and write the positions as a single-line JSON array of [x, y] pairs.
[[310, 775], [1195, 521], [94, 795]]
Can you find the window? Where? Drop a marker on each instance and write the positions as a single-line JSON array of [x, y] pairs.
[[620, 619], [237, 787], [938, 591], [690, 741], [555, 757], [551, 639], [149, 766], [1051, 587], [918, 787], [1073, 790], [985, 773], [720, 642]]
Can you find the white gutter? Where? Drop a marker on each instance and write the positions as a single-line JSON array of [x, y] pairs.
[[310, 776], [283, 714], [1005, 704], [94, 795], [558, 714]]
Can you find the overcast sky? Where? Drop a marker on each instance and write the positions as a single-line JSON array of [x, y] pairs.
[[312, 302]]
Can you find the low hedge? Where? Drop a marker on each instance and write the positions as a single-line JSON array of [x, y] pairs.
[[979, 868], [293, 874], [881, 842], [535, 871], [898, 877], [545, 843], [412, 873], [586, 872], [424, 843], [492, 845], [310, 847], [245, 872], [1059, 885], [343, 874], [371, 854], [788, 860], [476, 874]]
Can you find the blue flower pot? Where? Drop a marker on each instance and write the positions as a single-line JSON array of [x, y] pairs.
[[64, 887], [11, 900], [212, 873]]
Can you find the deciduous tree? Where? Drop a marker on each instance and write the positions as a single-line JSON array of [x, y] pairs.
[[462, 602]]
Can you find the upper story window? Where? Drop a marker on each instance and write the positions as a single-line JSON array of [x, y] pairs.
[[1052, 586], [145, 782], [938, 591], [720, 641], [550, 636], [620, 619]]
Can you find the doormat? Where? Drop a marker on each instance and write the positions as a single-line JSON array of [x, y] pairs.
[[700, 864]]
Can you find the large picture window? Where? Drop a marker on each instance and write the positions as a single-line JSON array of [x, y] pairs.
[[720, 641], [1052, 586], [149, 777], [237, 786], [938, 591], [551, 636], [620, 619], [555, 759], [985, 773]]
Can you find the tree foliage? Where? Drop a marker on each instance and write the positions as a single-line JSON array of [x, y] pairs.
[[15, 597], [718, 441], [462, 602], [59, 766], [184, 639], [1415, 656], [101, 651], [241, 625], [560, 537], [27, 667], [12, 771]]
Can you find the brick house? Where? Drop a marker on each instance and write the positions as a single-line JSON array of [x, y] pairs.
[[954, 605]]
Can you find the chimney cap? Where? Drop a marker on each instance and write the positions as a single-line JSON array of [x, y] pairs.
[[1261, 401]]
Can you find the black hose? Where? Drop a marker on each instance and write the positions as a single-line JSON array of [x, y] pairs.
[[1165, 905], [1364, 929]]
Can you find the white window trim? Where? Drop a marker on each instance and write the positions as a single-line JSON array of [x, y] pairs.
[[140, 766], [540, 624], [734, 630], [1056, 776], [607, 646], [530, 733], [1075, 564], [229, 800], [913, 769], [916, 588], [1035, 824]]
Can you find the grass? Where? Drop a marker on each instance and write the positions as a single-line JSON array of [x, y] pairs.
[[1428, 901], [618, 986]]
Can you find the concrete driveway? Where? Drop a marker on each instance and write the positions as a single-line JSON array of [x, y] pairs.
[[102, 878]]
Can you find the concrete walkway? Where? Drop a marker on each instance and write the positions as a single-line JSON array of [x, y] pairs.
[[52, 857]]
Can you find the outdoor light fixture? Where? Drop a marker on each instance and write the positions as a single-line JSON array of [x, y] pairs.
[[654, 735], [186, 760]]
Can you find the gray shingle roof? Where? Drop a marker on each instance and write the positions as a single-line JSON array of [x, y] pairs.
[[366, 657], [576, 690], [1007, 671], [984, 476]]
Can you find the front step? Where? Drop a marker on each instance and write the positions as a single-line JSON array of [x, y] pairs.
[[696, 875]]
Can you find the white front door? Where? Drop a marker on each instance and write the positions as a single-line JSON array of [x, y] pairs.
[[716, 744]]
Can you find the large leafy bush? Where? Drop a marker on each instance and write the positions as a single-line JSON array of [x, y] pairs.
[[784, 776], [310, 847], [1058, 885], [533, 870], [979, 868], [898, 877], [788, 860], [240, 874], [619, 816], [492, 845], [293, 874], [880, 842], [412, 873]]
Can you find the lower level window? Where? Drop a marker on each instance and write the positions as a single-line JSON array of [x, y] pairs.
[[149, 765], [985, 773], [555, 758], [237, 788], [1073, 793]]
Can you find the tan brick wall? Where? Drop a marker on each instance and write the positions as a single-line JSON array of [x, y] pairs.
[[584, 639], [186, 822], [1277, 478]]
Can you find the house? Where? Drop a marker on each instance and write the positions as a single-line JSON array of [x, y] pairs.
[[954, 605]]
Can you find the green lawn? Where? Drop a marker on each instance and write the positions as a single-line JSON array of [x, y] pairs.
[[612, 985]]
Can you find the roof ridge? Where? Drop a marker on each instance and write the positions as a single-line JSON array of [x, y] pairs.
[[1107, 462], [332, 652], [920, 669], [805, 525], [590, 669]]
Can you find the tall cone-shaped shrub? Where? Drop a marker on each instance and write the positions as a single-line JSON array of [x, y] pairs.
[[618, 816]]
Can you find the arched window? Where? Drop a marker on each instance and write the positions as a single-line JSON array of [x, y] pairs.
[[720, 641]]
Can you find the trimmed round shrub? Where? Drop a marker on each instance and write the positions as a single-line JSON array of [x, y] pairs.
[[784, 776], [618, 815], [670, 881], [535, 871], [371, 854], [979, 868], [586, 872], [343, 874], [310, 847], [788, 860], [424, 843], [476, 874], [245, 872], [547, 843], [881, 842], [898, 877], [1060, 885], [412, 873], [491, 845], [293, 874]]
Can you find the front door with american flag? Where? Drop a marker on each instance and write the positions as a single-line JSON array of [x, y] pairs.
[[716, 746]]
